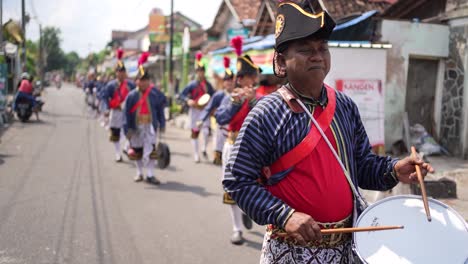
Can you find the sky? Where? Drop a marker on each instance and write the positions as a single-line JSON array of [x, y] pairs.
[[86, 25]]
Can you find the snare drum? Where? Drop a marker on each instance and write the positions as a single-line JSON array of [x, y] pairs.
[[203, 101], [443, 240]]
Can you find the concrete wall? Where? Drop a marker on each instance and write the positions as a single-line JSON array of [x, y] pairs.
[[357, 63], [408, 39], [362, 64]]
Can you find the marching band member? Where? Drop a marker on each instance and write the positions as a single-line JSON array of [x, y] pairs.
[[283, 173], [144, 115], [215, 102], [114, 95], [232, 112], [191, 94]]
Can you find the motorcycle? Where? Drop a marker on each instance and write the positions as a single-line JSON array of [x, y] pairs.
[[24, 107]]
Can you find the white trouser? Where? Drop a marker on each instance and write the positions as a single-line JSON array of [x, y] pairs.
[[116, 118], [220, 139], [145, 137], [236, 212], [194, 115]]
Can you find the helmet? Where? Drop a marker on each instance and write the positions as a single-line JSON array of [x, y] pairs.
[[25, 75]]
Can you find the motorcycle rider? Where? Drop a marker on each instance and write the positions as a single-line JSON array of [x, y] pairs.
[[25, 90]]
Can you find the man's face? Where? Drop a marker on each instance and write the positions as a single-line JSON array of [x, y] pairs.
[[248, 80], [143, 83], [201, 74], [121, 75], [228, 85], [307, 62]]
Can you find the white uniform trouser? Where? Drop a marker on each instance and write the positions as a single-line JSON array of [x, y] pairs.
[[116, 118], [236, 213], [194, 115], [145, 137], [220, 139]]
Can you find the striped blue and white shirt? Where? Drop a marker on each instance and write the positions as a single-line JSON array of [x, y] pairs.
[[271, 130]]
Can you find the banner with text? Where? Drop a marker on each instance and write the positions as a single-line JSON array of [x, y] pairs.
[[369, 98]]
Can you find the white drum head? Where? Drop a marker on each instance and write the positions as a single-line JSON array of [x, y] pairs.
[[443, 240], [204, 99]]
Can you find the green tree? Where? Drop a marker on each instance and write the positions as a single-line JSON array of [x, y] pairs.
[[72, 61], [54, 56], [32, 57]]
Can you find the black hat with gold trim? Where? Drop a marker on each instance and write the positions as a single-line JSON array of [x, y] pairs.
[[120, 65], [143, 73], [199, 64], [301, 19], [245, 64], [228, 74]]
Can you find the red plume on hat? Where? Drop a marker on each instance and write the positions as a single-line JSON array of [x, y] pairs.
[[120, 53], [236, 43], [227, 62], [143, 58], [199, 56]]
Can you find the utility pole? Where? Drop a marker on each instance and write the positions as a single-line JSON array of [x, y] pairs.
[[171, 46], [171, 63], [1, 25], [23, 25], [41, 57]]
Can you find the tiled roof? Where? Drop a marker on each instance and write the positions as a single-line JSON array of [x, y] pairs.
[[246, 9]]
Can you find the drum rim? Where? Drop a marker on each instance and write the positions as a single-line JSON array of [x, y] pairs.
[[397, 197], [411, 196], [204, 96]]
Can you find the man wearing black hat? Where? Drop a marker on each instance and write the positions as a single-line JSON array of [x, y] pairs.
[[191, 94], [144, 116], [210, 108], [299, 177], [114, 95], [231, 113]]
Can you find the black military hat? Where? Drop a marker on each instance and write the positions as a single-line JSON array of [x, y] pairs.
[[143, 73], [120, 65], [228, 74], [245, 64], [301, 19]]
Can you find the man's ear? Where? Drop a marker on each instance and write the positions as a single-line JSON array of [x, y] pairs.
[[281, 60]]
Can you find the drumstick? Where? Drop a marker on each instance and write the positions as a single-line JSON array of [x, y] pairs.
[[352, 230], [423, 186]]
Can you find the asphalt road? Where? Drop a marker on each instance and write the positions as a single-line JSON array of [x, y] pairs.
[[64, 200]]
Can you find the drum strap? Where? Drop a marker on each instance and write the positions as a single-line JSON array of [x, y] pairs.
[[360, 199]]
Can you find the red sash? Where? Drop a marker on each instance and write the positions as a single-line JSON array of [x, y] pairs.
[[308, 144], [142, 100], [119, 95], [199, 91], [236, 122]]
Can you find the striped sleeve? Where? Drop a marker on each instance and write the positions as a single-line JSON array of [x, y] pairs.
[[253, 150]]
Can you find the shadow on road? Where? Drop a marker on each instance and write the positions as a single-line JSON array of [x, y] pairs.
[[253, 244], [180, 187], [175, 153], [256, 233], [3, 157]]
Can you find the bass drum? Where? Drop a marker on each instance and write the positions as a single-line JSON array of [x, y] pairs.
[[443, 240], [164, 155]]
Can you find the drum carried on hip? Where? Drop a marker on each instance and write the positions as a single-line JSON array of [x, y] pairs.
[[203, 101], [164, 155], [442, 240]]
